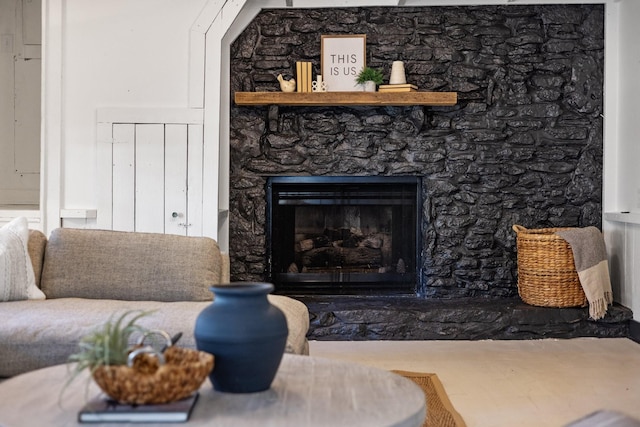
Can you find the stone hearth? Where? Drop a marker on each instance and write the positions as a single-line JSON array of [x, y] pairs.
[[408, 318]]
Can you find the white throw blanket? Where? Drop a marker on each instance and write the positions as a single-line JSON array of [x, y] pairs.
[[590, 256]]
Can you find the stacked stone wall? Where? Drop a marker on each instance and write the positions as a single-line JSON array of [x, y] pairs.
[[522, 146]]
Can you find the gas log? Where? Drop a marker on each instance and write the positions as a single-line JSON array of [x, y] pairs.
[[344, 248]]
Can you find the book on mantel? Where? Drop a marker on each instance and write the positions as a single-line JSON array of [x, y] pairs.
[[398, 88], [103, 409]]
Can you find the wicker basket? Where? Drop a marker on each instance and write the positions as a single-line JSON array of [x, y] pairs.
[[148, 382], [547, 275]]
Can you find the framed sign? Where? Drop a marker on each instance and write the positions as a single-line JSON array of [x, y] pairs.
[[342, 58]]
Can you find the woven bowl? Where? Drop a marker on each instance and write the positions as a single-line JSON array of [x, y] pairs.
[[149, 382]]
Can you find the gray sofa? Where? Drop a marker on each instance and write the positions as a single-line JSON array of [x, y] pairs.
[[88, 275]]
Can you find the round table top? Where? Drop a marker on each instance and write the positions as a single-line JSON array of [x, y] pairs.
[[307, 391]]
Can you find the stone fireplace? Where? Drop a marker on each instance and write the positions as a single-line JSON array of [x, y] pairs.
[[522, 146]]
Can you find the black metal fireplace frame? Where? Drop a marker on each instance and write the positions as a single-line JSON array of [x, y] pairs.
[[339, 283]]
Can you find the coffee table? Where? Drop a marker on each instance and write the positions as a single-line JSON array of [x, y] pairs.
[[307, 391]]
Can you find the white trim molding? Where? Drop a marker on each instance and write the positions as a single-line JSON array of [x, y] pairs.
[[191, 116]]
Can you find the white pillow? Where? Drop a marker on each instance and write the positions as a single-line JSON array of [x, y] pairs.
[[17, 281]]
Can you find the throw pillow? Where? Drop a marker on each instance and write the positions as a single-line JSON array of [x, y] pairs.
[[17, 281]]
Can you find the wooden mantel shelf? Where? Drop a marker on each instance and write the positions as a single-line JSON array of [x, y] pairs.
[[318, 99]]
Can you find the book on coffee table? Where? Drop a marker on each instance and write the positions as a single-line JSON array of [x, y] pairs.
[[103, 409]]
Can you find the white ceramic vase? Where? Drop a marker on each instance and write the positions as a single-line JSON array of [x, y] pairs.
[[369, 86], [397, 73]]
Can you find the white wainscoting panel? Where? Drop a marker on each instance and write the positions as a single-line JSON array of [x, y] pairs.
[[150, 173], [175, 179], [150, 169], [195, 176], [123, 177], [622, 239]]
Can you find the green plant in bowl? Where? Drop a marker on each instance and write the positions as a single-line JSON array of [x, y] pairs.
[[109, 344], [370, 74]]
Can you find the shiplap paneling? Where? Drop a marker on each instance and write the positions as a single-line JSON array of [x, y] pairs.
[[150, 170], [123, 177], [194, 177], [175, 179], [149, 185], [632, 267]]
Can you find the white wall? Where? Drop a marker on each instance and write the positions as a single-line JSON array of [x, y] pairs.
[[628, 175], [118, 53], [622, 156]]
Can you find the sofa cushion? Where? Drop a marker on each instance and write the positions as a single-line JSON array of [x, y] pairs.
[[37, 334], [17, 280], [103, 264], [36, 246]]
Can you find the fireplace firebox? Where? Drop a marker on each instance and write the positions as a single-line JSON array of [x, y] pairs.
[[343, 235]]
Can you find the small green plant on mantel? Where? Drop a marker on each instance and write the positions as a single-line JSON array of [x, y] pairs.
[[370, 74], [108, 344]]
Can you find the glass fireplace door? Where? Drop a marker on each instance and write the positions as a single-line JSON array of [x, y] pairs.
[[342, 234]]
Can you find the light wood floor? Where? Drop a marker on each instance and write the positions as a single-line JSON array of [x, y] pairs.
[[514, 383]]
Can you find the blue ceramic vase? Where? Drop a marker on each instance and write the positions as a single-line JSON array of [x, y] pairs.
[[246, 334]]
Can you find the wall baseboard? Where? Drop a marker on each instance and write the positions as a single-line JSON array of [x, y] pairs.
[[634, 330]]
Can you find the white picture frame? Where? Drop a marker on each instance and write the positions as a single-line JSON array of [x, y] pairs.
[[342, 58]]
